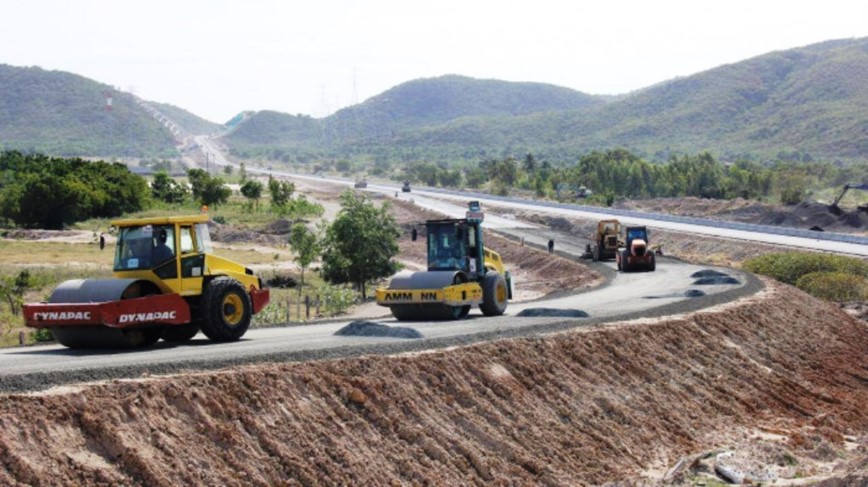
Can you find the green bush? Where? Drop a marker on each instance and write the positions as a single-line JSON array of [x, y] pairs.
[[788, 267], [336, 299], [42, 335], [834, 286]]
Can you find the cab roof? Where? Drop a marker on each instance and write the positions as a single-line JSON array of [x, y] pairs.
[[161, 220]]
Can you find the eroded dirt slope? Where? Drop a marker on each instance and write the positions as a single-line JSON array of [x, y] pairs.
[[583, 407]]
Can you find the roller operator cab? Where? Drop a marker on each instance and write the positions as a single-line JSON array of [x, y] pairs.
[[167, 283], [461, 273], [636, 255]]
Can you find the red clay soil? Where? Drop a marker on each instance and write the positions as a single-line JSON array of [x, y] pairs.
[[589, 406]]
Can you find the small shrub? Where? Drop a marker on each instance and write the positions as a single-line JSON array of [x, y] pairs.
[[788, 267], [219, 219], [335, 299], [41, 335], [269, 315], [834, 286]]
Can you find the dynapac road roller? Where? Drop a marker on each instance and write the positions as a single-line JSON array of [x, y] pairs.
[[167, 284], [461, 273]]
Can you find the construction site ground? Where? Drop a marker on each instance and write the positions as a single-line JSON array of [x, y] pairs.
[[772, 387]]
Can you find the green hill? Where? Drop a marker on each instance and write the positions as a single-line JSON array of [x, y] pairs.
[[415, 104], [806, 103], [809, 103], [64, 114]]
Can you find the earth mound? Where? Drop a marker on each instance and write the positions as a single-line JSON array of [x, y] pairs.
[[623, 403]]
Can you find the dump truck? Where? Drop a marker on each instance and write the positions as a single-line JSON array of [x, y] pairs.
[[636, 254], [360, 184], [166, 283], [406, 187], [606, 240], [461, 273]]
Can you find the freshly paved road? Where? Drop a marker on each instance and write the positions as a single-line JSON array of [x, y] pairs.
[[625, 296]]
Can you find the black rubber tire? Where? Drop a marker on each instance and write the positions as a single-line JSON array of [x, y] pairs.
[[180, 333], [653, 265], [142, 337], [625, 264], [461, 312], [494, 294], [215, 323]]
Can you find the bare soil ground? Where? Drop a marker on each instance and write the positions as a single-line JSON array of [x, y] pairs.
[[692, 248], [804, 215], [778, 378]]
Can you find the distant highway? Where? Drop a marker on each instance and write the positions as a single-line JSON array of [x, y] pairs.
[[516, 204]]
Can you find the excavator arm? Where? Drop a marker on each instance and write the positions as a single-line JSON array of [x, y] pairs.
[[846, 188]]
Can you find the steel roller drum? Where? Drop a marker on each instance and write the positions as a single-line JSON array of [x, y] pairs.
[[101, 291], [95, 290], [427, 280]]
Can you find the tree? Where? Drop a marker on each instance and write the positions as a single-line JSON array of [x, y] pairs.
[[242, 172], [529, 164], [12, 290], [252, 190], [164, 188], [38, 191], [305, 245], [359, 245], [227, 169], [281, 192], [206, 189]]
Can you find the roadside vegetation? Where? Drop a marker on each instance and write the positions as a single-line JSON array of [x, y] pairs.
[[830, 277], [33, 267]]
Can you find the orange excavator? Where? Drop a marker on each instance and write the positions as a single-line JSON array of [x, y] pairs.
[[636, 255]]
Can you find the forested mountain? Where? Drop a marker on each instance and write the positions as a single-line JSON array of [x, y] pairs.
[[807, 103], [802, 104], [64, 114], [415, 104]]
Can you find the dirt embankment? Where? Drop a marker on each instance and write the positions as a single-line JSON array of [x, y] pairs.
[[779, 372], [817, 216]]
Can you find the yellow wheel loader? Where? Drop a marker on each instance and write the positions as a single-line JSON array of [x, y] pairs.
[[461, 273], [166, 284]]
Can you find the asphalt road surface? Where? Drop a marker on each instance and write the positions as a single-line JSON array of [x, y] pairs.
[[625, 296]]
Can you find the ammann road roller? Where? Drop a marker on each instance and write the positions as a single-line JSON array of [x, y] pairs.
[[461, 273], [167, 284]]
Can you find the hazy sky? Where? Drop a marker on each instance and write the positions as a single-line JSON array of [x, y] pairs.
[[217, 58]]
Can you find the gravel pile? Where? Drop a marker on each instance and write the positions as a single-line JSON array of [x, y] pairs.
[[372, 329]]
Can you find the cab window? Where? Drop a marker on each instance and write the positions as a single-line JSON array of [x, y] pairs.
[[187, 245]]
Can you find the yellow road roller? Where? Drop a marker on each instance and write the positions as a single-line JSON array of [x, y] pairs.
[[167, 284], [461, 273]]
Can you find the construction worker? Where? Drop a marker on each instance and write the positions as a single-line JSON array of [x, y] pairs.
[[162, 252]]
